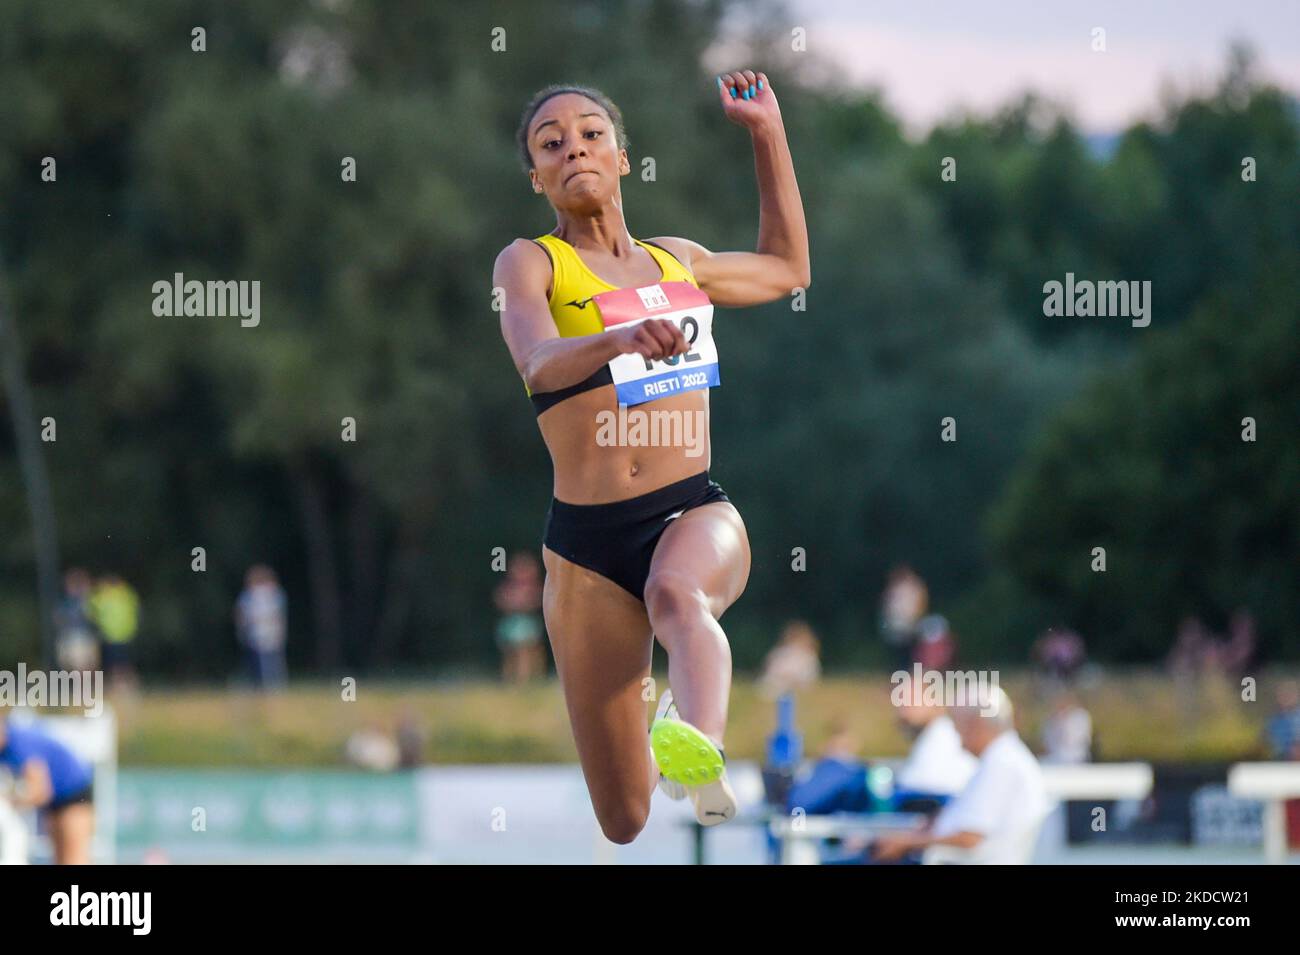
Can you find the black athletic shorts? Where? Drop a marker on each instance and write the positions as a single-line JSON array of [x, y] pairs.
[[86, 795], [617, 540]]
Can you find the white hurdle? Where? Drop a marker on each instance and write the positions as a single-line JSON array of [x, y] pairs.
[[1080, 782], [1272, 784], [13, 828]]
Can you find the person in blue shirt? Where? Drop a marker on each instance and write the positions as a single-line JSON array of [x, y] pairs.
[[1282, 732], [52, 779]]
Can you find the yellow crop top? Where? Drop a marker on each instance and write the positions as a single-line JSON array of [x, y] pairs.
[[572, 287]]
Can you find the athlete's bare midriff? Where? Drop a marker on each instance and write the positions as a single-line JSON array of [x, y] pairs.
[[589, 472]]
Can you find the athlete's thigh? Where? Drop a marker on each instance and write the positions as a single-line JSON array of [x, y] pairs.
[[600, 636], [708, 545]]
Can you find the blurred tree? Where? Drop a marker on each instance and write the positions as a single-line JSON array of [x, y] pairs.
[[852, 465], [1030, 203], [376, 306], [1151, 463]]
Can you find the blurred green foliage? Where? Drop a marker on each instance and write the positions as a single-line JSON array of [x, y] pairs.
[[376, 304]]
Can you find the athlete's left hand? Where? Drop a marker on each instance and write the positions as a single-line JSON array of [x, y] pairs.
[[754, 104]]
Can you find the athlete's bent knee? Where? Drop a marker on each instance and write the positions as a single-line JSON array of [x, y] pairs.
[[671, 595], [624, 825]]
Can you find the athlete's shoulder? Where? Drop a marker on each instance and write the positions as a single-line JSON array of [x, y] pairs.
[[683, 250], [524, 259], [522, 251], [524, 265]]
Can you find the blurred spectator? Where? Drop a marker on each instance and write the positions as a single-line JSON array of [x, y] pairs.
[[794, 663], [1198, 651], [937, 765], [114, 609], [902, 606], [996, 818], [519, 631], [374, 749], [1059, 653], [837, 779], [261, 626], [1282, 732], [77, 645], [1192, 648], [1067, 732], [1238, 652], [936, 645], [936, 768], [841, 742], [410, 741], [50, 778]]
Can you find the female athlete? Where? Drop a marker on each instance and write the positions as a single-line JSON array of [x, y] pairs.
[[613, 338]]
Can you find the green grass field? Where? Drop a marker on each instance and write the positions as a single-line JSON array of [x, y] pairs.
[[1136, 716]]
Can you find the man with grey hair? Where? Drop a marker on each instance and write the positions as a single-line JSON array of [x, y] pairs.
[[997, 816]]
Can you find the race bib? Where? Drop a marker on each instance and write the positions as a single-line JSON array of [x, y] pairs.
[[639, 379]]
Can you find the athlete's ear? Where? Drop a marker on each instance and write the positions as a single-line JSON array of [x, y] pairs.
[[624, 164]]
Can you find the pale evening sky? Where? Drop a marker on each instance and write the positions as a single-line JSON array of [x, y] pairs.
[[931, 57]]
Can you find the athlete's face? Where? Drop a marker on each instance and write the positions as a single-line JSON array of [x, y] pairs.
[[576, 159]]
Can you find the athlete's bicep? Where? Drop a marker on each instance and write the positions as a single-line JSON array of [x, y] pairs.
[[522, 275], [736, 279]]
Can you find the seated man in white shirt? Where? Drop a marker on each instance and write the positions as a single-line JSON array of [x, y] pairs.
[[936, 769], [937, 765], [997, 816]]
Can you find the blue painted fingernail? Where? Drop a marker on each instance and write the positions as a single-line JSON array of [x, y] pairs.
[[719, 82], [733, 92], [760, 84], [749, 92]]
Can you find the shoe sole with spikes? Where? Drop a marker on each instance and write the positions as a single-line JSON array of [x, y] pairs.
[[688, 757]]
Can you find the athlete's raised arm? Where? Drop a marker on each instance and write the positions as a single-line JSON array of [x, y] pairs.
[[781, 262]]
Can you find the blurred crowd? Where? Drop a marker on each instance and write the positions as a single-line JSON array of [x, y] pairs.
[[968, 772], [1199, 651], [97, 621], [976, 780]]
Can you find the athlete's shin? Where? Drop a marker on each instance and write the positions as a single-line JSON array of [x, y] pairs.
[[699, 657]]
